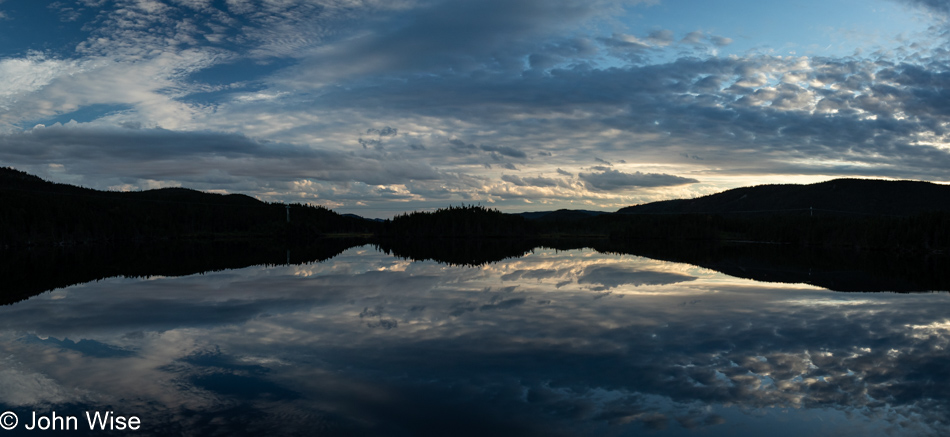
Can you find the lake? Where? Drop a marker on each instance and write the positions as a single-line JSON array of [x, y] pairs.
[[552, 343]]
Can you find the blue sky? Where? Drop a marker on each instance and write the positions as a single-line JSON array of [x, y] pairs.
[[378, 107]]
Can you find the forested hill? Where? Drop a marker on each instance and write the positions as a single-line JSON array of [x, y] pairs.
[[835, 197], [37, 212], [14, 181]]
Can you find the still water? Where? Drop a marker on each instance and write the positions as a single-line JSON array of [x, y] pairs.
[[554, 343]]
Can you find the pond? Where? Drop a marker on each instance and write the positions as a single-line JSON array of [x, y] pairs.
[[555, 342]]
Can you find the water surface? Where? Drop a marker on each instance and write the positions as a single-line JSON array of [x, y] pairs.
[[553, 343]]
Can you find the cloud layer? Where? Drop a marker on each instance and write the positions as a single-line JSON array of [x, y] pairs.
[[385, 106]]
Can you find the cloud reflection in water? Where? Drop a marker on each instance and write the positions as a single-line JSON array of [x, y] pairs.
[[369, 344]]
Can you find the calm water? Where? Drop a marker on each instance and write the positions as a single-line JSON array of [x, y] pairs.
[[553, 343]]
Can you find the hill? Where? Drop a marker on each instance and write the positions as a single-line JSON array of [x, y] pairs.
[[887, 215], [835, 197], [178, 195], [560, 215], [905, 216], [36, 212]]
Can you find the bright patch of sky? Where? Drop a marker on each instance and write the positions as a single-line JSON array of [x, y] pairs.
[[810, 28]]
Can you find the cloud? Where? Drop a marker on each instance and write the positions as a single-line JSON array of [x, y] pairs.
[[661, 37], [504, 304], [542, 182], [609, 276], [612, 180], [475, 88], [938, 6], [828, 111], [467, 35], [384, 132], [623, 41], [694, 37], [159, 154], [29, 74], [720, 41], [504, 150]]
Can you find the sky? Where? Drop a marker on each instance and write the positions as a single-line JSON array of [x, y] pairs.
[[378, 107]]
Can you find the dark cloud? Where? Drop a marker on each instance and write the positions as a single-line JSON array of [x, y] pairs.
[[504, 304], [610, 180], [720, 41], [556, 53], [504, 150], [377, 143], [939, 6], [461, 146], [627, 42], [827, 110], [660, 37], [694, 37], [159, 154], [468, 35], [384, 132], [542, 182]]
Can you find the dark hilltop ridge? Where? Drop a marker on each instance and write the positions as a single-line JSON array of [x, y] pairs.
[[902, 216], [36, 212], [835, 197]]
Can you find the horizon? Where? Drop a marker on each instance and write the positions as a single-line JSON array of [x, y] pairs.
[[462, 204], [377, 108]]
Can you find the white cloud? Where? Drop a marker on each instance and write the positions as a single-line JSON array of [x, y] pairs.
[[22, 76]]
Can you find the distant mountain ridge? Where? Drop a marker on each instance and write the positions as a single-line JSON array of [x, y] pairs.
[[834, 197], [35, 212], [853, 213], [15, 180], [177, 194]]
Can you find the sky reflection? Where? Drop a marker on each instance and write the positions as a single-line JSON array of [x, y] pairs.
[[553, 343]]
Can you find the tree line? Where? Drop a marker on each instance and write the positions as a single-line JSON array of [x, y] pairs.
[[35, 212]]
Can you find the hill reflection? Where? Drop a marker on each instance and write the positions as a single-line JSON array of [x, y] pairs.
[[837, 270], [834, 269], [28, 273]]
